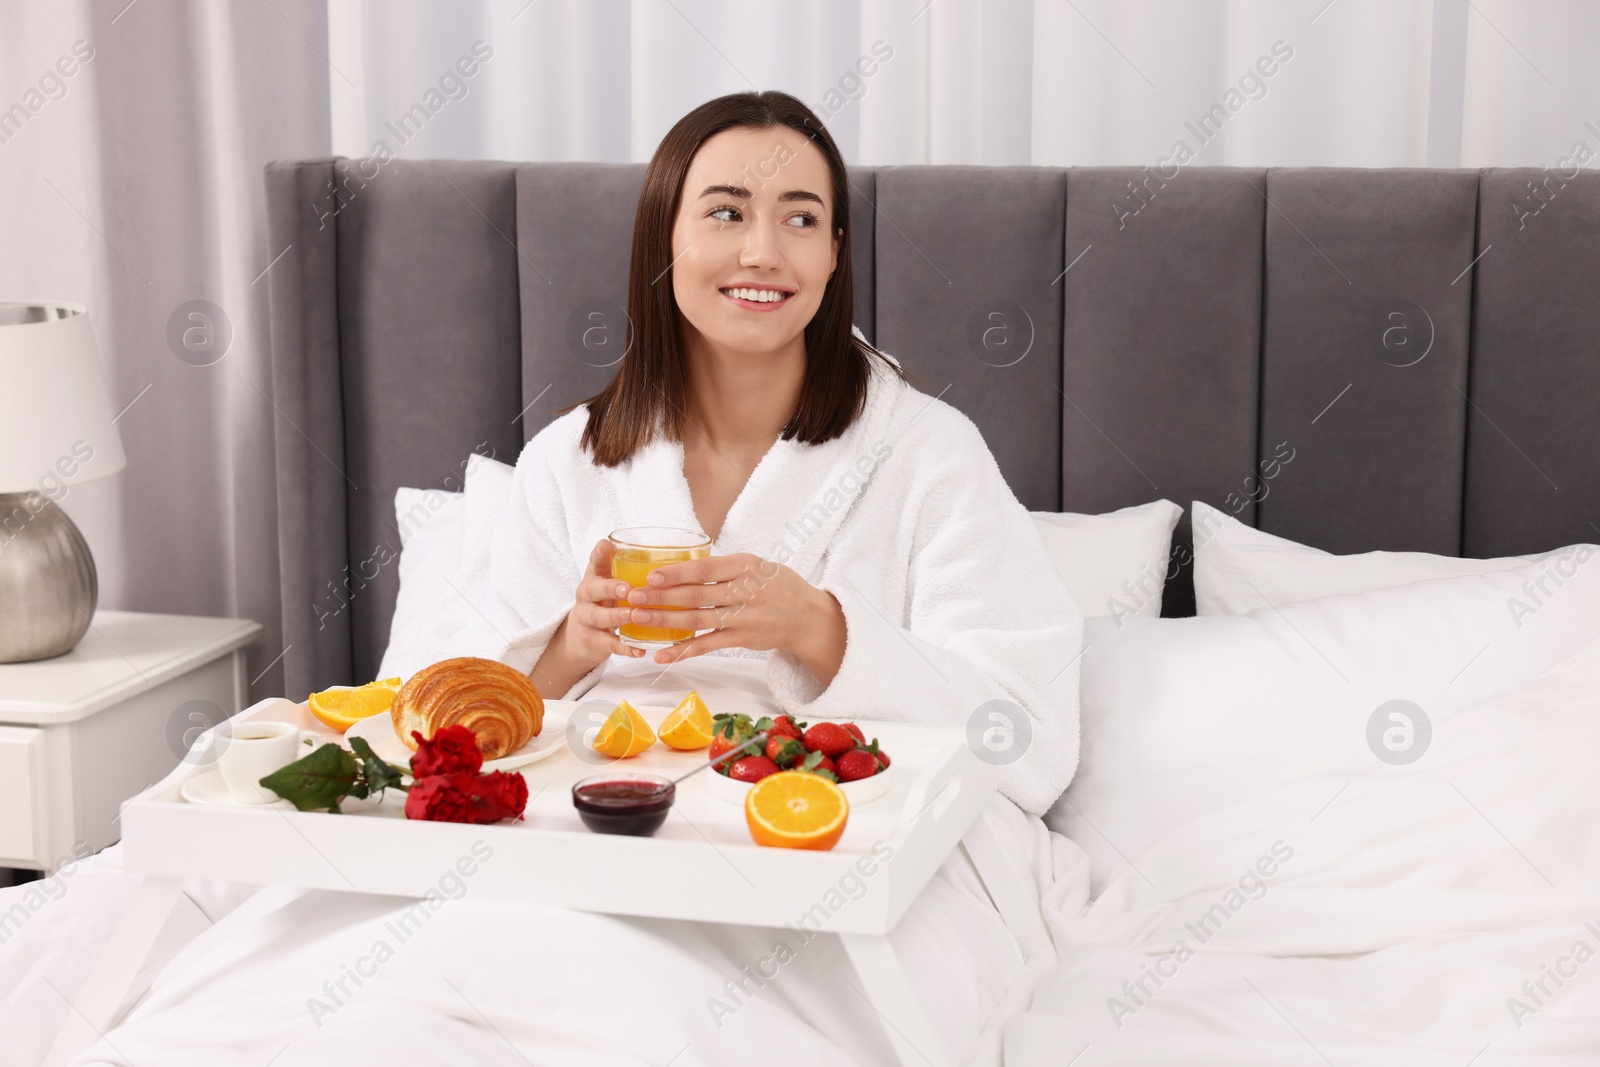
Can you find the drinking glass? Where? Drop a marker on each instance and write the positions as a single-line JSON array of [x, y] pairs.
[[638, 550]]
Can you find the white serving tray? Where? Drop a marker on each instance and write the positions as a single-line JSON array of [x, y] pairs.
[[701, 865]]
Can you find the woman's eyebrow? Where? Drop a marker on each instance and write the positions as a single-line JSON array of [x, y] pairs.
[[744, 194]]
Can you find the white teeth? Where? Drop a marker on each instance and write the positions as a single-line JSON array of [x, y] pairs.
[[763, 296]]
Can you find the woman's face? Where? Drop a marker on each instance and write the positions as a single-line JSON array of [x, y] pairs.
[[756, 212]]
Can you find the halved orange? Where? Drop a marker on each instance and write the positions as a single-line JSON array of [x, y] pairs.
[[793, 809], [688, 727], [342, 706], [624, 733]]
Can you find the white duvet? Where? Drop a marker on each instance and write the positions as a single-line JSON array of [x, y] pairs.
[[489, 984], [1446, 912]]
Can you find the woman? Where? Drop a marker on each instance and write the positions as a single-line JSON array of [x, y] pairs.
[[870, 562], [867, 548]]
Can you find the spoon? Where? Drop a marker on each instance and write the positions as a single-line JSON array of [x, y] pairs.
[[758, 739]]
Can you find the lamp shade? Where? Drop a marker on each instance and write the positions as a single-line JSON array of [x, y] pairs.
[[55, 416]]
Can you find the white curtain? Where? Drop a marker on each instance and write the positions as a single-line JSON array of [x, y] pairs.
[[1367, 83], [135, 185]]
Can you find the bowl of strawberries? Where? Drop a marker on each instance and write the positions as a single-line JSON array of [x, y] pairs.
[[838, 751]]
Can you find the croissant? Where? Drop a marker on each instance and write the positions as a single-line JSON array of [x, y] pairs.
[[499, 704]]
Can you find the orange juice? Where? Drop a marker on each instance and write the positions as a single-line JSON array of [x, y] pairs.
[[635, 553]]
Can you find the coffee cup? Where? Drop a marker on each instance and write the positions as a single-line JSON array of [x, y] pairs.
[[252, 750]]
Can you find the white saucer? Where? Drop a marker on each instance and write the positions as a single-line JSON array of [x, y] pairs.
[[861, 791], [378, 731], [209, 788]]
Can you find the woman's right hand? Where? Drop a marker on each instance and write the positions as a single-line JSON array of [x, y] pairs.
[[591, 624], [585, 638]]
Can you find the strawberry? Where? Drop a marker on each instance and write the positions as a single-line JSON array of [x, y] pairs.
[[817, 763], [882, 757], [829, 738], [857, 763], [855, 731], [730, 731], [784, 750], [784, 726], [752, 769]]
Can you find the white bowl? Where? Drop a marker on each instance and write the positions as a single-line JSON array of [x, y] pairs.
[[860, 791]]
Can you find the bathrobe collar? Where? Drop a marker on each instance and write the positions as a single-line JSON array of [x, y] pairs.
[[794, 500]]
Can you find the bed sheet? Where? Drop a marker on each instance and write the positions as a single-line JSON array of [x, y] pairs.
[[1444, 912]]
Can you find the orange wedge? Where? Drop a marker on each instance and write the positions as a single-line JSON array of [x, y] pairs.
[[343, 706], [793, 809], [624, 733], [688, 727]]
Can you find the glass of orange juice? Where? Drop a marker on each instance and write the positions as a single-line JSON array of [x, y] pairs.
[[638, 550]]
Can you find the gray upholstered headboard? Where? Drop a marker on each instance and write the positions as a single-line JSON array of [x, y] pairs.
[[1425, 341]]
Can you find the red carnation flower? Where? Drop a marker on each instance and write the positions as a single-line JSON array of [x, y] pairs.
[[440, 798], [453, 750], [498, 795], [462, 797]]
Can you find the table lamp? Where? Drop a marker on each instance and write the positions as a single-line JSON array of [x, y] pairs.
[[55, 431]]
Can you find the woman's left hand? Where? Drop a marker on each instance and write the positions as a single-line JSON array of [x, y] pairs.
[[746, 602]]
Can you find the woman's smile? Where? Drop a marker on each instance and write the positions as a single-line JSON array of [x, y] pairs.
[[756, 298]]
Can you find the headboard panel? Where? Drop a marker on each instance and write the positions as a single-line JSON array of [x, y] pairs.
[[574, 231], [1365, 349], [1174, 331], [1163, 343], [965, 302], [1533, 434], [429, 340]]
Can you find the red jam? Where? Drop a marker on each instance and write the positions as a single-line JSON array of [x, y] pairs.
[[636, 806]]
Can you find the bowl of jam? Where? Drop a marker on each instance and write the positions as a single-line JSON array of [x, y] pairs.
[[624, 803]]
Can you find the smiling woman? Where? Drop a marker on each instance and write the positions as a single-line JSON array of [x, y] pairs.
[[745, 192], [745, 205], [744, 401]]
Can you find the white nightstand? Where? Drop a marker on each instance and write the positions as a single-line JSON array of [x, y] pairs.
[[83, 732]]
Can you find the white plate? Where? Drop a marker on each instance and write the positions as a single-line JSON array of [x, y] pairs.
[[378, 731], [209, 788], [860, 791]]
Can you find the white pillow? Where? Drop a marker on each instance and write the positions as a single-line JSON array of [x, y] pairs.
[[430, 522], [1114, 564], [1180, 716], [435, 528], [1238, 568], [488, 486]]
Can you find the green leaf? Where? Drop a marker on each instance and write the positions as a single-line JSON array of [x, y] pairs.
[[318, 781], [379, 773]]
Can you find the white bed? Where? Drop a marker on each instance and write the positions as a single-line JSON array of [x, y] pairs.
[[1357, 828], [1247, 871]]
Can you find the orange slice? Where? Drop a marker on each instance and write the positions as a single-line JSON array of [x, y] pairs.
[[688, 727], [624, 733], [342, 706], [793, 809]]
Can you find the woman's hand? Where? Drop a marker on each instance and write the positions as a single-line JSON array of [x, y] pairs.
[[586, 636], [597, 611], [746, 602]]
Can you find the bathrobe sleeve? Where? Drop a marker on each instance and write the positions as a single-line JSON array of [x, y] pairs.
[[516, 584], [985, 634]]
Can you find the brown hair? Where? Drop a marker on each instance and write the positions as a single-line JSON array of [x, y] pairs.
[[651, 382]]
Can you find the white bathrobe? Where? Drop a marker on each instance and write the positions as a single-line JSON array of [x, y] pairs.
[[950, 602], [950, 599]]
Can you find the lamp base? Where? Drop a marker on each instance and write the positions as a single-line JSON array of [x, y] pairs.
[[48, 584]]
